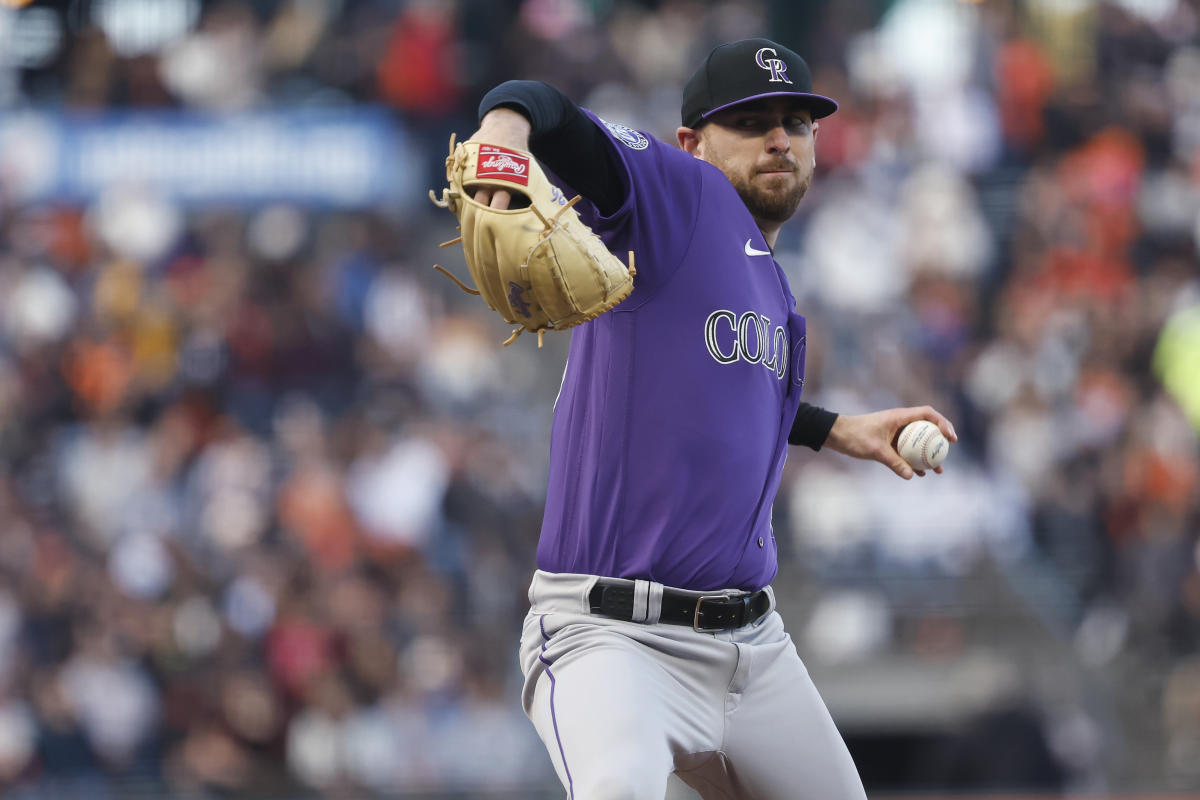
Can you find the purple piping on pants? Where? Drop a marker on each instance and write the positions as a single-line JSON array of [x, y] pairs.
[[554, 717]]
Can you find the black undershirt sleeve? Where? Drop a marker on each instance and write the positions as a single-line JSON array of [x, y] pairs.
[[567, 141], [811, 426], [564, 139]]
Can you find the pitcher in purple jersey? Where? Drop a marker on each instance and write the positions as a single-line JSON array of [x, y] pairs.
[[652, 645]]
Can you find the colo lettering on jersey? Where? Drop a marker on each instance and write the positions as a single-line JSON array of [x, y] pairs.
[[749, 338]]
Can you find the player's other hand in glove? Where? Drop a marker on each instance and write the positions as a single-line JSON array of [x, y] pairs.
[[508, 128], [873, 436], [530, 255]]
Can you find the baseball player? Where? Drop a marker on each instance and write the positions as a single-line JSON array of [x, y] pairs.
[[652, 645]]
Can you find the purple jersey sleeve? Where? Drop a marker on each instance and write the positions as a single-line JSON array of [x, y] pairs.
[[660, 209]]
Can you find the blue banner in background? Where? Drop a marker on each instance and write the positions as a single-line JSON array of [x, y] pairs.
[[345, 158]]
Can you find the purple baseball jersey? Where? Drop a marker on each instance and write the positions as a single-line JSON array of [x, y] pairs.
[[670, 429]]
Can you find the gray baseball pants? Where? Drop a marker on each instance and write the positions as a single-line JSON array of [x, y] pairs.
[[620, 705]]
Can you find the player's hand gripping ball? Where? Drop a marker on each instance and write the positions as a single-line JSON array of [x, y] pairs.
[[535, 262], [922, 445]]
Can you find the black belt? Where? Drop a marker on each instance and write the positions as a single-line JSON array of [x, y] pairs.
[[707, 613]]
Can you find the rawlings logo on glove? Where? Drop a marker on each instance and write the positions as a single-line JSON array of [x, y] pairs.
[[540, 272], [500, 162]]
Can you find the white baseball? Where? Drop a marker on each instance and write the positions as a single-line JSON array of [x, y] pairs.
[[922, 445]]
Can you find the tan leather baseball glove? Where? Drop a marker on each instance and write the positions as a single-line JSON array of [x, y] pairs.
[[536, 262]]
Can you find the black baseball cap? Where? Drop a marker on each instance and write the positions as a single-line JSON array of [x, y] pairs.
[[751, 69]]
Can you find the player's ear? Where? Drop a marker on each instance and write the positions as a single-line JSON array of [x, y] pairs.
[[689, 139]]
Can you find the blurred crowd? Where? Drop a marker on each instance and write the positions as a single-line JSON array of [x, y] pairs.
[[270, 489]]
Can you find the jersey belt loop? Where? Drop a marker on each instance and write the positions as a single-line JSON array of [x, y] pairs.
[[641, 600], [654, 602]]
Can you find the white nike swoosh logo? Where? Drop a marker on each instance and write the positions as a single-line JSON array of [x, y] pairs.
[[750, 251]]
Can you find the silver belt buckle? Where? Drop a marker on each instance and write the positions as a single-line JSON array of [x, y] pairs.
[[696, 617]]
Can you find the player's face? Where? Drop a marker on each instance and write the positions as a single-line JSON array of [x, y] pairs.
[[766, 149]]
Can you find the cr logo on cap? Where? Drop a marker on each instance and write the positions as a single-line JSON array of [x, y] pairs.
[[774, 65]]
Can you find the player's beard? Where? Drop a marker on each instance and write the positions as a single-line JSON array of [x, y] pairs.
[[769, 199]]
